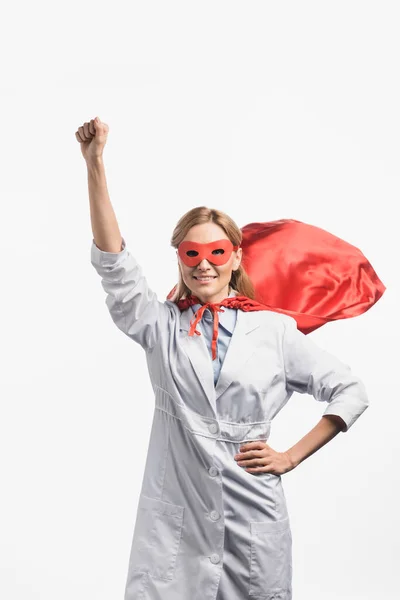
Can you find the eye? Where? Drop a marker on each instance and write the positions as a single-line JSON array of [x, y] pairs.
[[192, 253], [220, 250]]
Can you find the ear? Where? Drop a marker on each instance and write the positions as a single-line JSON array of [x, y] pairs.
[[238, 258]]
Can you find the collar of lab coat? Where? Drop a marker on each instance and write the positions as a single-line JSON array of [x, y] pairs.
[[227, 318], [242, 346]]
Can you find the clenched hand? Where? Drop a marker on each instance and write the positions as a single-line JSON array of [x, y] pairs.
[[92, 136]]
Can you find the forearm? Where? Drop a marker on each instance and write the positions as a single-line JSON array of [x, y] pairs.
[[327, 428], [105, 227]]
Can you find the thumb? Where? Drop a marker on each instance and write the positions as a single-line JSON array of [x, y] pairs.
[[98, 124], [101, 128]]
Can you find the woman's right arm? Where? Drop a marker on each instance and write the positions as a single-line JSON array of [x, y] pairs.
[[106, 233], [133, 306]]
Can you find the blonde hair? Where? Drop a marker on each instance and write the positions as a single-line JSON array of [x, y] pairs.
[[239, 281]]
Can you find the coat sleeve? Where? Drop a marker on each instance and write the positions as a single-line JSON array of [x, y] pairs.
[[133, 306], [310, 369]]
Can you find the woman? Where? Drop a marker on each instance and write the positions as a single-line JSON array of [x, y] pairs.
[[212, 520]]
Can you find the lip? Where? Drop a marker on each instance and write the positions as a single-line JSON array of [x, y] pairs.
[[204, 282]]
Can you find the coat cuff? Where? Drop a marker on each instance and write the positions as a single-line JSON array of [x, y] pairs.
[[107, 259], [349, 409]]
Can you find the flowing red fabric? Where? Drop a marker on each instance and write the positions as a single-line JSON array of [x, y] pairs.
[[308, 273], [303, 271]]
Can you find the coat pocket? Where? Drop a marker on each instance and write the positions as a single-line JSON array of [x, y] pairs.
[[156, 538], [271, 559]]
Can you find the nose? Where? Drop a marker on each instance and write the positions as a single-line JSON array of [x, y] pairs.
[[204, 264]]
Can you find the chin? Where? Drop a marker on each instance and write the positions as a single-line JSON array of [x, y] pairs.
[[210, 291]]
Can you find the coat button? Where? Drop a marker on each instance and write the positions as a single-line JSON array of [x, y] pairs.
[[214, 515], [214, 559], [213, 428], [213, 471]]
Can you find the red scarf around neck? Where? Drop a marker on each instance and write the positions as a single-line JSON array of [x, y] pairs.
[[240, 302]]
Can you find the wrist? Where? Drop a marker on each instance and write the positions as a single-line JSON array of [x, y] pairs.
[[95, 161], [293, 459]]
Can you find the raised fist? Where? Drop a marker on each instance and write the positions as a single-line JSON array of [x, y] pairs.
[[92, 137]]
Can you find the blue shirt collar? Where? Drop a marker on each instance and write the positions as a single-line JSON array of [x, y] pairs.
[[227, 318]]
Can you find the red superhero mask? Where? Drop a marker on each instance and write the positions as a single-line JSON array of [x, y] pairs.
[[218, 252]]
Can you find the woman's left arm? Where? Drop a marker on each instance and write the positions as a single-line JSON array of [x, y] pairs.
[[257, 457], [327, 428], [309, 370]]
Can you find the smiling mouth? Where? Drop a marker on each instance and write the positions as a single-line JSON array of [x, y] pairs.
[[206, 277]]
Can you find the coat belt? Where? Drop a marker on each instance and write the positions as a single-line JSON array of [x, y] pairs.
[[226, 431]]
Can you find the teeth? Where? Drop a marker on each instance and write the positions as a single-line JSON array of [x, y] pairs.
[[204, 278]]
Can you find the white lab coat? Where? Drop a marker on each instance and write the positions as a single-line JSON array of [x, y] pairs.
[[206, 529]]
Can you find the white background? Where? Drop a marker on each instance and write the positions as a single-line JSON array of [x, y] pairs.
[[265, 110]]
